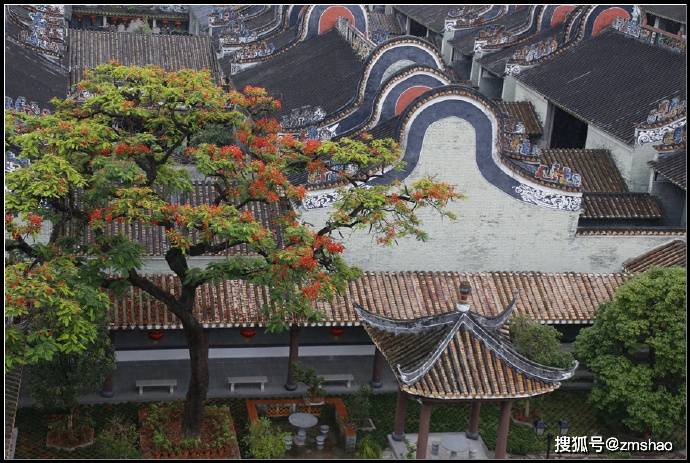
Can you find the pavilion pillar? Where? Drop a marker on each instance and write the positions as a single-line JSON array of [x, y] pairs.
[[473, 431], [503, 427], [423, 436], [105, 21], [290, 385], [377, 370], [400, 412]]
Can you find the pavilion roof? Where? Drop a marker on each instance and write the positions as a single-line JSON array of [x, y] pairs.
[[459, 355], [556, 298]]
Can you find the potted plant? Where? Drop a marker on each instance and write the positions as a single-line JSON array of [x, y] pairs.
[[315, 392]]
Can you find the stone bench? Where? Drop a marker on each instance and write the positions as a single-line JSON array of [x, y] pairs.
[[347, 378], [142, 383], [232, 380]]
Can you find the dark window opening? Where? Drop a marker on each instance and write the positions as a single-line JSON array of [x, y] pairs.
[[417, 29], [568, 131], [669, 26]]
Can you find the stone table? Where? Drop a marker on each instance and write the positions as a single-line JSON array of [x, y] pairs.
[[302, 421], [456, 445]]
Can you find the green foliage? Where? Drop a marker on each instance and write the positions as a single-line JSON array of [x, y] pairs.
[[369, 449], [359, 405], [539, 343], [118, 440], [309, 377], [265, 441], [57, 383], [111, 158], [159, 417], [636, 348], [59, 308]]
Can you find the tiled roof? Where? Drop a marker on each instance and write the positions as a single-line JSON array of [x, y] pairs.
[[611, 81], [156, 243], [673, 253], [464, 43], [323, 71], [13, 381], [88, 49], [599, 172], [154, 11], [678, 13], [620, 206], [673, 167], [629, 230], [548, 297], [524, 112], [457, 356], [31, 75], [384, 22], [387, 129], [496, 61]]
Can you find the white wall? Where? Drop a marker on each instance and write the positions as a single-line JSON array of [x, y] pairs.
[[494, 231], [508, 88]]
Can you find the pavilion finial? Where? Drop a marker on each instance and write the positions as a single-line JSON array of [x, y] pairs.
[[465, 290]]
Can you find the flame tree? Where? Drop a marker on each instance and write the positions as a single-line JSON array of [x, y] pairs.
[[107, 154]]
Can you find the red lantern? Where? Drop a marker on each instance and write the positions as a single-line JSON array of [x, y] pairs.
[[93, 17], [79, 17], [337, 331], [165, 21], [248, 333], [178, 23], [156, 335]]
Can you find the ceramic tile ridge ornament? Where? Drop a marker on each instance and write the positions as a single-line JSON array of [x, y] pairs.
[[465, 289]]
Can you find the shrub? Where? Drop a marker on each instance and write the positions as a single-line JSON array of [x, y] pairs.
[[539, 343], [265, 441], [360, 405], [118, 440], [369, 449]]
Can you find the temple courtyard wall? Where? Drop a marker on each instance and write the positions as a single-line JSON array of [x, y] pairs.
[[493, 231]]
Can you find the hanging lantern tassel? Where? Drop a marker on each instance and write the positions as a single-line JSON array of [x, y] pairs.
[[248, 334], [336, 332]]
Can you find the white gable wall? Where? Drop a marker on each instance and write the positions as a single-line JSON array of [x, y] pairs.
[[494, 231]]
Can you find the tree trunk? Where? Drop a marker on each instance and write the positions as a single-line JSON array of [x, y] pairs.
[[197, 341]]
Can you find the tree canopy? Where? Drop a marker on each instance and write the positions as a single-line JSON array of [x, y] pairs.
[[636, 348], [110, 152]]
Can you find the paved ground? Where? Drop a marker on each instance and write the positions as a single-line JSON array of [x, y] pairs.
[[274, 368], [399, 449]]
